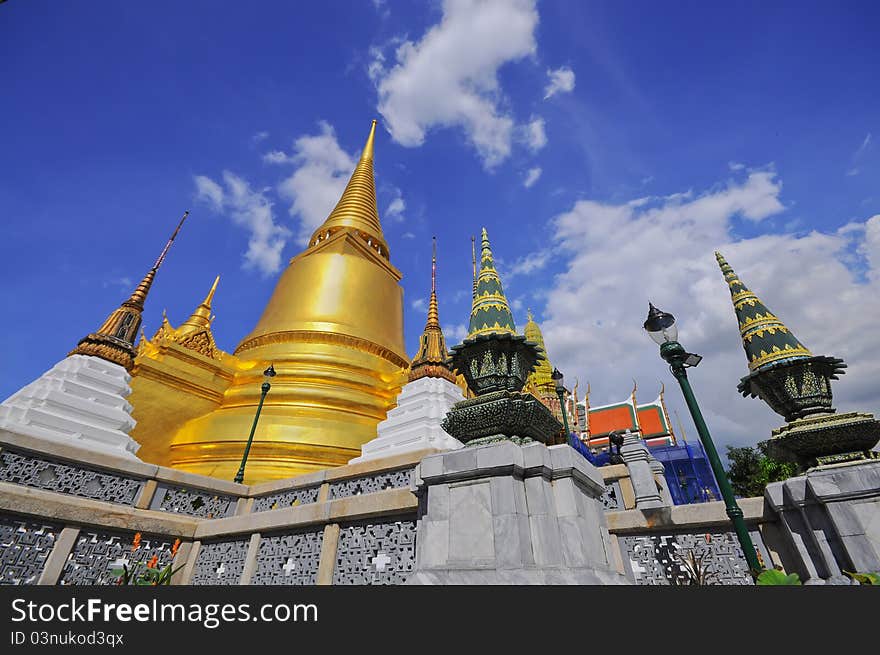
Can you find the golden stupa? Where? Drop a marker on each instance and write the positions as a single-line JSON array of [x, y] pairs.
[[333, 329]]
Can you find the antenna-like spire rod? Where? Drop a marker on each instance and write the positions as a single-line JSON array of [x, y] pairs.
[[474, 260], [434, 265], [170, 241]]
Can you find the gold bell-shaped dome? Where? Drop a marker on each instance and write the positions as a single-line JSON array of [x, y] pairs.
[[333, 329]]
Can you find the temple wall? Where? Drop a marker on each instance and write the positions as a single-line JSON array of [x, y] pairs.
[[67, 516]]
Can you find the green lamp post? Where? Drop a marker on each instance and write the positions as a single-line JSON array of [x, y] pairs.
[[660, 326], [268, 373], [559, 379]]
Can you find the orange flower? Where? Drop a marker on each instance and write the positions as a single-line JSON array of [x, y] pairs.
[[153, 561], [136, 543], [175, 547]]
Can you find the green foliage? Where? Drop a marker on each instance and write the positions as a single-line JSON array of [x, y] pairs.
[[773, 577], [751, 470], [864, 578]]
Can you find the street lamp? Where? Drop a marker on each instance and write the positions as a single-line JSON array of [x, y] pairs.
[[660, 326], [268, 373], [559, 379], [615, 440]]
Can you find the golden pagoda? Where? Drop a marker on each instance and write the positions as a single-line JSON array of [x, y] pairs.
[[333, 329], [541, 378]]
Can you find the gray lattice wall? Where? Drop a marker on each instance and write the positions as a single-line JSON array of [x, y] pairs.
[[32, 471], [370, 484], [289, 558], [655, 559], [289, 498], [24, 547], [612, 499], [220, 562], [193, 502], [96, 553], [378, 552]]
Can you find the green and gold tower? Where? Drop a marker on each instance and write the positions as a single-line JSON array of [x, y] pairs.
[[496, 362], [796, 384]]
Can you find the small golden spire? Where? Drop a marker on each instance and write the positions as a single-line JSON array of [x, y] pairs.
[[356, 210], [200, 319], [114, 340], [432, 359]]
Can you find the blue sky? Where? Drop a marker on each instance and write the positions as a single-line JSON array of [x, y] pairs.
[[673, 129]]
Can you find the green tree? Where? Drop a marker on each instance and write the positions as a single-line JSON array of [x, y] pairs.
[[751, 470]]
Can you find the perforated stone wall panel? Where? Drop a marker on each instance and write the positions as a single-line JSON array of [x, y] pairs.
[[96, 553], [375, 553], [33, 471], [193, 502], [657, 559], [220, 562], [284, 499], [370, 483], [290, 558], [24, 547], [611, 499]]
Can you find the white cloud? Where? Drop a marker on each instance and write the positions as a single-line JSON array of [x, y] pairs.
[[532, 176], [857, 155], [419, 304], [616, 257], [395, 209], [454, 333], [534, 135], [276, 157], [323, 170], [526, 265], [450, 77], [251, 210], [259, 137], [407, 235], [561, 81], [735, 166]]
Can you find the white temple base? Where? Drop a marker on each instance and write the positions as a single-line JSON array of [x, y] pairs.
[[415, 423], [80, 401]]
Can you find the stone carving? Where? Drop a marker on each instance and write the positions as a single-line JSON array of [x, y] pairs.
[[655, 559], [284, 499], [220, 562], [24, 547], [96, 554], [32, 471], [193, 502], [611, 499], [370, 484], [375, 553], [289, 559]]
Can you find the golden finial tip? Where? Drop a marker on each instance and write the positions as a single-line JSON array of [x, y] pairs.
[[368, 147]]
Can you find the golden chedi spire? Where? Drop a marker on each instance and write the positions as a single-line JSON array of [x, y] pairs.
[[333, 329], [356, 209], [201, 318], [432, 359], [541, 376], [114, 340]]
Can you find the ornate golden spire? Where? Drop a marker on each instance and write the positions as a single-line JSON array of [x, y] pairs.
[[474, 261], [200, 319], [432, 359], [356, 209], [541, 377], [114, 340]]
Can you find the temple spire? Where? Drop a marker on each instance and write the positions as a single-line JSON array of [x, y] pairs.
[[474, 261], [542, 376], [490, 311], [766, 340], [356, 210], [432, 359], [114, 340], [200, 319]]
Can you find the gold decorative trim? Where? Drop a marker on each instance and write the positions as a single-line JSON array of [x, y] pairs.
[[776, 354], [328, 338]]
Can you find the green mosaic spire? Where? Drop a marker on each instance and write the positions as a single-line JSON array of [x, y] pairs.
[[490, 311], [766, 340]]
